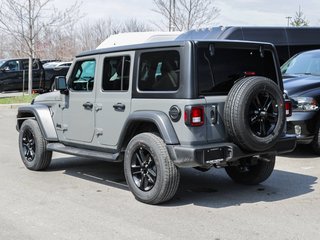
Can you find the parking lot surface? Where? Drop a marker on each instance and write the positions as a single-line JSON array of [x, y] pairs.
[[79, 198]]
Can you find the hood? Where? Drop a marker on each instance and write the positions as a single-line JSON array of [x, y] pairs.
[[296, 85], [48, 98]]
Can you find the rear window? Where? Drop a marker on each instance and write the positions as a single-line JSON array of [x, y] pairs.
[[219, 68], [159, 71]]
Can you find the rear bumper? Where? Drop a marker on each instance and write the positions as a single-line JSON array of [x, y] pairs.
[[220, 154]]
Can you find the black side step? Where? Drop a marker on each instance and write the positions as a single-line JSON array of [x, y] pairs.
[[59, 147]]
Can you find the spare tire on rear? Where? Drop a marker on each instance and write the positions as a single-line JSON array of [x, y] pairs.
[[254, 114]]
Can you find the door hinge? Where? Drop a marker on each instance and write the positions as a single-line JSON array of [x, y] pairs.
[[99, 132], [62, 127], [98, 107], [63, 106]]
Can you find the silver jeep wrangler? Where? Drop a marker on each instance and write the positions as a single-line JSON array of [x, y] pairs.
[[163, 106]]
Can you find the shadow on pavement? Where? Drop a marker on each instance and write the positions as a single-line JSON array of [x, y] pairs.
[[110, 174], [212, 189], [301, 151]]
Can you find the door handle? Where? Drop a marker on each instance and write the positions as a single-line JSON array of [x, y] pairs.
[[119, 107], [88, 105]]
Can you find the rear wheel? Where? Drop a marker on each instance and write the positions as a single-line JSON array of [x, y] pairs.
[[32, 146], [251, 174], [150, 174]]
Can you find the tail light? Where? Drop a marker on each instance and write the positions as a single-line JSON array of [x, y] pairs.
[[194, 116], [288, 107], [249, 73]]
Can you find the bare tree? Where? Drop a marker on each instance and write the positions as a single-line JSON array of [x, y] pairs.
[[60, 43], [25, 21], [133, 25], [186, 14], [91, 34], [299, 20]]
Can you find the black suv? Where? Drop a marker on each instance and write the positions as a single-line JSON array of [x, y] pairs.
[[301, 78]]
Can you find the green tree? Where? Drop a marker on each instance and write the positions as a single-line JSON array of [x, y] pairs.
[[299, 20]]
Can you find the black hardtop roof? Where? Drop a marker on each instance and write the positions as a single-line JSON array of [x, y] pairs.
[[275, 35], [166, 44]]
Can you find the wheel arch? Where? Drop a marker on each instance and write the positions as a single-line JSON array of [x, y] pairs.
[[148, 121], [42, 115]]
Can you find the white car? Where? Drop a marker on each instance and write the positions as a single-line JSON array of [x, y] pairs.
[[57, 64]]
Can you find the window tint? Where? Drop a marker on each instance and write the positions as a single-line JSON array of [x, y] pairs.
[[35, 65], [219, 68], [25, 64], [116, 71], [12, 65], [82, 78], [159, 71]]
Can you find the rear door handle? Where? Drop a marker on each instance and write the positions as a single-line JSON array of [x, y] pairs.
[[119, 107], [88, 105]]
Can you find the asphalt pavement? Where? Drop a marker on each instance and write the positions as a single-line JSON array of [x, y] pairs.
[[80, 198]]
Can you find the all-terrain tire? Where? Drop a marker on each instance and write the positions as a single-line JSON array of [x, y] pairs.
[[32, 146], [252, 174], [150, 174], [254, 113]]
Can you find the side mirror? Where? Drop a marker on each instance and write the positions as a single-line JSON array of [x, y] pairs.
[[5, 69], [61, 84]]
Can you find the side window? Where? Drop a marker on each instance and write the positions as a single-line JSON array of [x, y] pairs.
[[82, 77], [116, 71], [12, 66], [159, 71], [35, 65], [25, 64]]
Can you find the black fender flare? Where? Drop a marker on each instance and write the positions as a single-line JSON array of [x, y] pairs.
[[161, 121], [42, 115]]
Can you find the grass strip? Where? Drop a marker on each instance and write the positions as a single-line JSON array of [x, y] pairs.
[[17, 99]]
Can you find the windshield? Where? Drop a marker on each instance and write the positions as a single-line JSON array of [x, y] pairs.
[[2, 62], [304, 63]]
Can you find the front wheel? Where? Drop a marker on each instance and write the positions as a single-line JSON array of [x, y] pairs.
[[150, 174], [32, 146], [251, 174]]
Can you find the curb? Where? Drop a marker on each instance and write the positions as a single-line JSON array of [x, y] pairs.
[[13, 106]]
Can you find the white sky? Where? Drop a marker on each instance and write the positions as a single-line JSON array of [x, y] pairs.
[[233, 12]]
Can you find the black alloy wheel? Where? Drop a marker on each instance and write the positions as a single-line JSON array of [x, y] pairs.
[[254, 113], [151, 175], [33, 147], [263, 114], [29, 147], [143, 169]]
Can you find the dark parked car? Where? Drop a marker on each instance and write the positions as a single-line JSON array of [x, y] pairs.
[[14, 74], [301, 78], [52, 70]]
